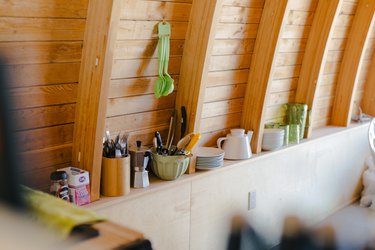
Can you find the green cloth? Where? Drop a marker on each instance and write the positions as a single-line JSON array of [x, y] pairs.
[[57, 214]]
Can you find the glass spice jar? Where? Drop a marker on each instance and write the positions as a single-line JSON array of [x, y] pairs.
[[59, 185]]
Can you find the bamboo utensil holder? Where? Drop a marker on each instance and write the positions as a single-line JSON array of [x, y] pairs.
[[115, 180]]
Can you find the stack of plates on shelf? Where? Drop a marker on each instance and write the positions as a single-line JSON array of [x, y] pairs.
[[273, 138], [209, 158]]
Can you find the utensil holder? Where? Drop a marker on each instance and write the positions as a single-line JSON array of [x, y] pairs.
[[115, 177], [169, 167]]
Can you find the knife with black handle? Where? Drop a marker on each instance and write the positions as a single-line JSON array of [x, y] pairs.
[[183, 121], [159, 142]]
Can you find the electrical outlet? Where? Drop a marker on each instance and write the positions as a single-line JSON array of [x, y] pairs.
[[252, 200]]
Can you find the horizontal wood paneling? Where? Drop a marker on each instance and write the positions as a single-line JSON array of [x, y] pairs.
[[137, 104], [134, 86], [285, 72], [289, 59], [227, 77], [41, 52], [229, 62], [136, 49], [349, 8], [337, 44], [326, 101], [296, 31], [236, 31], [225, 92], [336, 47], [220, 122], [234, 14], [45, 137], [209, 139], [44, 158], [130, 30], [142, 67], [139, 121], [273, 112], [281, 98], [244, 3], [229, 67], [154, 10], [303, 5], [44, 116], [233, 47], [132, 107], [41, 29], [44, 51], [42, 43], [292, 45], [364, 85], [27, 75], [39, 179], [44, 8], [296, 17], [284, 85], [45, 95], [222, 108], [145, 135]]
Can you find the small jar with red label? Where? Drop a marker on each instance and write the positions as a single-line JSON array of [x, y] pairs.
[[59, 185]]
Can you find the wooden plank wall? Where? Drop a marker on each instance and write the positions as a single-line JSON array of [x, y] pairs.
[[364, 72], [42, 42], [229, 68], [289, 59], [326, 88], [132, 107], [368, 96]]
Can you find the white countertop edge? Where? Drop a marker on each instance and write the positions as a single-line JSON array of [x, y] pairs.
[[157, 184]]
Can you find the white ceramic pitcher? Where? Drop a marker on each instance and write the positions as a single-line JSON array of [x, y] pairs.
[[236, 144]]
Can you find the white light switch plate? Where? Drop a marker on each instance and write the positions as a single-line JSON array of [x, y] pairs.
[[252, 200]]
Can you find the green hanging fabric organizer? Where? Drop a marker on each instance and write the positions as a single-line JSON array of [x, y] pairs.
[[164, 84]]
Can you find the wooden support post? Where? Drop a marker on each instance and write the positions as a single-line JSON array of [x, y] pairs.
[[351, 63], [368, 102], [195, 61], [315, 54], [95, 73], [262, 66]]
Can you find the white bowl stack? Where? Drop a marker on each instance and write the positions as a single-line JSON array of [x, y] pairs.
[[273, 138], [209, 158]]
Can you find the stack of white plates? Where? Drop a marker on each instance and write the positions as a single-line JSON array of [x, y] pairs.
[[209, 158], [273, 138]]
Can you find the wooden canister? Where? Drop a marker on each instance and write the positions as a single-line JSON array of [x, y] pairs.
[[115, 177]]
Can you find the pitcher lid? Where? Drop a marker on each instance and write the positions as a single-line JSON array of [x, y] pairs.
[[237, 132]]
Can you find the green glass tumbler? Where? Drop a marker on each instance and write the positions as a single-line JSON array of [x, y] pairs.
[[294, 133]]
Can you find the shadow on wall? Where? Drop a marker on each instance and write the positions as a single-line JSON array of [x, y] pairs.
[[9, 160]]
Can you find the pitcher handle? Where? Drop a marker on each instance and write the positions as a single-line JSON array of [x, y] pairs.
[[219, 141]]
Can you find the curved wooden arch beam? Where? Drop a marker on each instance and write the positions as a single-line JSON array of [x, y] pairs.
[[351, 63], [325, 15], [368, 102], [195, 63], [94, 79], [262, 66]]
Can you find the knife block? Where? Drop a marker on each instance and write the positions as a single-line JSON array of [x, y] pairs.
[[115, 177]]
